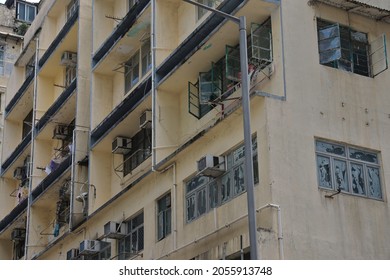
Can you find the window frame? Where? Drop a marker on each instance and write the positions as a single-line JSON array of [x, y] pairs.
[[141, 149], [70, 75], [214, 187], [350, 162], [164, 216], [26, 15], [348, 48], [2, 59], [71, 8], [138, 229]]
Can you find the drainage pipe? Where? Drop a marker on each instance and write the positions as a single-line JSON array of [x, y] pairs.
[[31, 163], [153, 89]]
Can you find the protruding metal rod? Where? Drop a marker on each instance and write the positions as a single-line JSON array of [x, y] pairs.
[[225, 15]]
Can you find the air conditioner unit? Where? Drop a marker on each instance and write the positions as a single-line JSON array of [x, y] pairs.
[[145, 120], [72, 254], [89, 247], [20, 173], [114, 230], [18, 234], [121, 145], [62, 132], [211, 166], [69, 59]]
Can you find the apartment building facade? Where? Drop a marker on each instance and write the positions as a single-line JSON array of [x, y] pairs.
[[12, 28], [137, 151]]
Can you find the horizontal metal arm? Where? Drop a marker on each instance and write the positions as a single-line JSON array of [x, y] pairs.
[[225, 15]]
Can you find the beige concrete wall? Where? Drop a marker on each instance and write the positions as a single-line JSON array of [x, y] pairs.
[[332, 104], [102, 8], [6, 19], [102, 88]]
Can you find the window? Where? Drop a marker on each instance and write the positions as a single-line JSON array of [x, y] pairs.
[[224, 77], [70, 75], [163, 216], [2, 52], [132, 72], [205, 193], [140, 150], [348, 169], [133, 242], [72, 8], [30, 66], [138, 66], [25, 11], [103, 254], [344, 48], [200, 11], [146, 57], [27, 124]]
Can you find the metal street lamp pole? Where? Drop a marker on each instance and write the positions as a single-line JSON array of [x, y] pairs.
[[241, 21]]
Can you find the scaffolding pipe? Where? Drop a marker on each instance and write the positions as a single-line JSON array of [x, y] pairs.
[[283, 50], [72, 185], [153, 78], [31, 163]]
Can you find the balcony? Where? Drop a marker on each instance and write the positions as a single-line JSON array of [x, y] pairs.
[[120, 31], [16, 153], [50, 179], [140, 93], [19, 94], [60, 37], [13, 215], [57, 106], [195, 41]]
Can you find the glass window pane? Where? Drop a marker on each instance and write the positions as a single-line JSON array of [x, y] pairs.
[[31, 13], [127, 251], [121, 248], [134, 242], [238, 155], [196, 182], [140, 238], [213, 194], [330, 148], [329, 44], [345, 65], [256, 178], [146, 57], [226, 187], [329, 56], [201, 202], [359, 36], [341, 175], [21, 11], [357, 179], [190, 208], [329, 32], [374, 182], [239, 186], [160, 225], [324, 177], [168, 221], [363, 155]]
